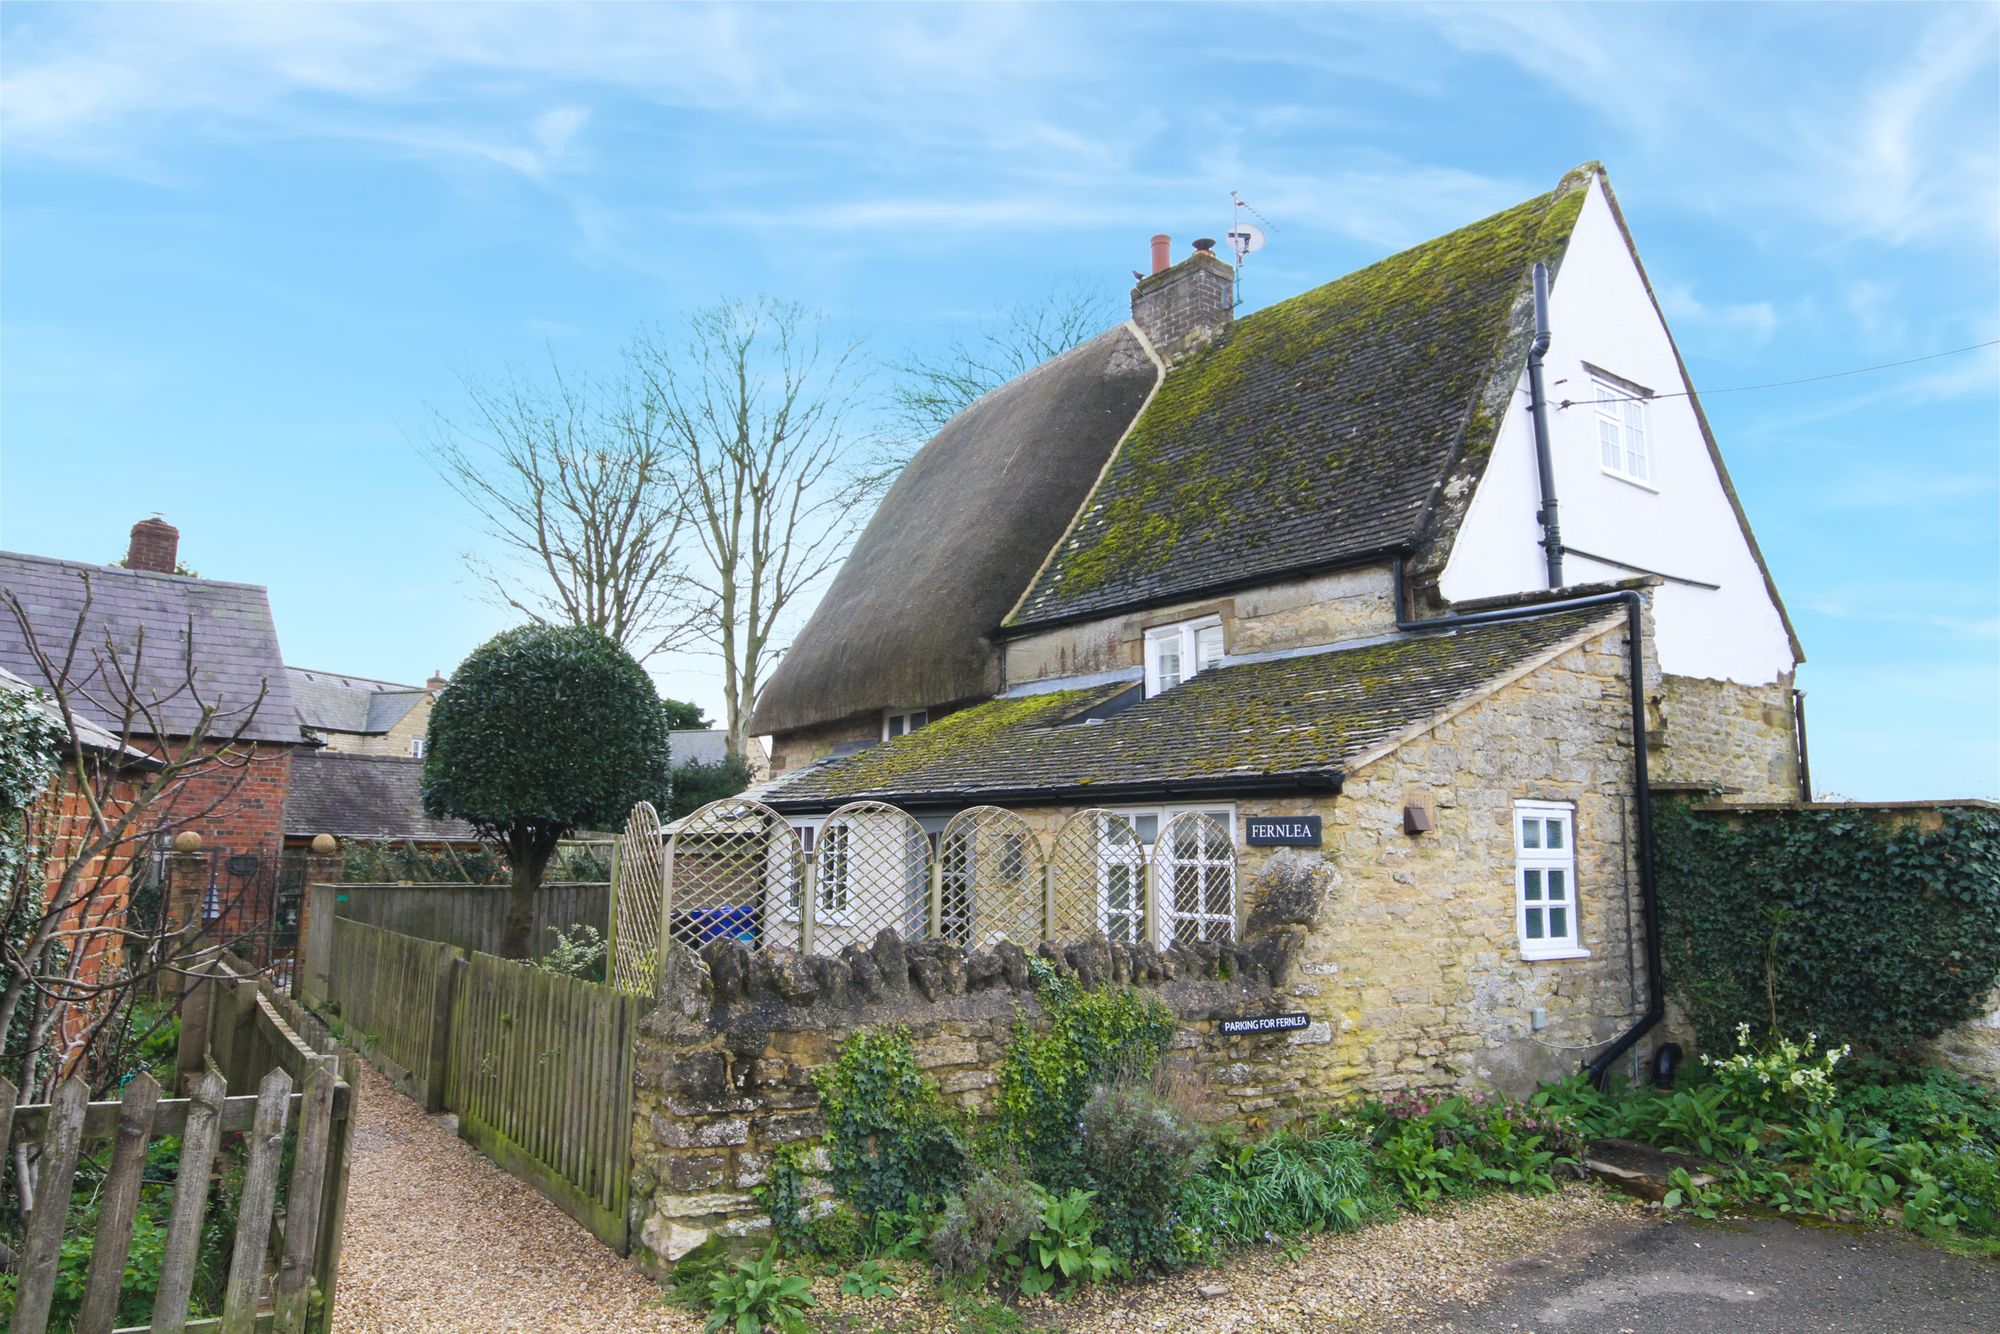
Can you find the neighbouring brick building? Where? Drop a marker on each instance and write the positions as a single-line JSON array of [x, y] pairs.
[[226, 686]]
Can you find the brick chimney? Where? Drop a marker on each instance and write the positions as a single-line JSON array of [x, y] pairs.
[[1186, 307], [156, 546], [436, 683]]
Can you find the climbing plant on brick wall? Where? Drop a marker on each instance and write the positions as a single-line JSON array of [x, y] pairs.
[[1862, 928]]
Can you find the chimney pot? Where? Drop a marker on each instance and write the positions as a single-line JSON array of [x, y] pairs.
[[1204, 244], [155, 546], [1185, 307], [1163, 252]]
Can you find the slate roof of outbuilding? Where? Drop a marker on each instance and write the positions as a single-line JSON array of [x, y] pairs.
[[1315, 431], [362, 796], [331, 702], [92, 736], [698, 745], [1300, 718], [235, 643]]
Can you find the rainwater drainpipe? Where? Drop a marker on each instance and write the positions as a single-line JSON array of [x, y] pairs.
[[1538, 404], [1599, 1066]]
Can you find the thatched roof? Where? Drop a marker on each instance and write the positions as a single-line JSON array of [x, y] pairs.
[[957, 538]]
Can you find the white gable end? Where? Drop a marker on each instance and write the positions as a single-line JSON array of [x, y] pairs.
[[1662, 508]]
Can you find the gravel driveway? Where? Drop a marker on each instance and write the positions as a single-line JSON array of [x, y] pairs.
[[440, 1241]]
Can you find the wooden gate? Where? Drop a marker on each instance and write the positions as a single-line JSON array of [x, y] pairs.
[[283, 1261]]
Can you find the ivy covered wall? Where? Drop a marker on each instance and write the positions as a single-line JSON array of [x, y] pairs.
[[1876, 926]]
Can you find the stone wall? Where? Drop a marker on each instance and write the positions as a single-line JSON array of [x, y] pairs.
[[1730, 737], [1325, 609], [725, 1063]]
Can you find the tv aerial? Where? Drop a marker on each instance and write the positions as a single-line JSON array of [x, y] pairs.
[[1245, 238]]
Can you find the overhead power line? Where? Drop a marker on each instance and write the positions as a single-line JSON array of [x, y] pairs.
[[1780, 384]]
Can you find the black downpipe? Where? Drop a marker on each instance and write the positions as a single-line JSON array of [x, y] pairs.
[[1805, 761], [1538, 404], [1599, 1067]]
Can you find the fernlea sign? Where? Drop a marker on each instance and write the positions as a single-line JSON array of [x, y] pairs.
[[1265, 1023], [1281, 831]]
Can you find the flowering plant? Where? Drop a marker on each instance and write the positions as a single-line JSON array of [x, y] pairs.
[[1785, 1079]]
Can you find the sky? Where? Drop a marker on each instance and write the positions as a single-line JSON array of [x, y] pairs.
[[249, 255]]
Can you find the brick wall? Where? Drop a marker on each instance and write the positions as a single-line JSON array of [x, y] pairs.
[[244, 806], [1185, 307]]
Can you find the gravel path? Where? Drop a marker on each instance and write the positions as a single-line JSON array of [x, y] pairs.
[[440, 1241]]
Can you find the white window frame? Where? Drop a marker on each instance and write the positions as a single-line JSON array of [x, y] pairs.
[[1110, 856], [416, 748], [1622, 409], [902, 722], [831, 895], [1538, 871], [1199, 642]]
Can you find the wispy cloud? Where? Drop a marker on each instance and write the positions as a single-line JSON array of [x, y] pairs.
[[1750, 321]]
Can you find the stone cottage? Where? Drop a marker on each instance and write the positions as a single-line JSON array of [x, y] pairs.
[[1428, 575]]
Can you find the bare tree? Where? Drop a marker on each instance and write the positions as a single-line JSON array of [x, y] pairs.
[[72, 954], [752, 402], [930, 391], [577, 492]]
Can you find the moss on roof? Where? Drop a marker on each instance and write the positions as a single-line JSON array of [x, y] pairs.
[[1307, 715], [1316, 430]]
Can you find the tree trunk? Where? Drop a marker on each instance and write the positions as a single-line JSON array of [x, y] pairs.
[[528, 856]]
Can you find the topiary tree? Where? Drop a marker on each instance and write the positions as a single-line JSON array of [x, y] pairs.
[[543, 730]]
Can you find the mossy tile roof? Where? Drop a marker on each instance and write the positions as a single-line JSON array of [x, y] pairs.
[[1316, 431], [1303, 718]]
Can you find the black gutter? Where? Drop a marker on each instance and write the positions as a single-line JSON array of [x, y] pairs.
[[1599, 1066], [1325, 781], [1538, 404]]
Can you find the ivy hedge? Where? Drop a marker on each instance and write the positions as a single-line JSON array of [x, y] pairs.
[[1864, 927]]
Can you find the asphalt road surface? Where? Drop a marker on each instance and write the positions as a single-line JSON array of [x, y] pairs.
[[1750, 1276]]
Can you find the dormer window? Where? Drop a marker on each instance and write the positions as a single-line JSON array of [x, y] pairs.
[[1176, 652], [1622, 439], [903, 723]]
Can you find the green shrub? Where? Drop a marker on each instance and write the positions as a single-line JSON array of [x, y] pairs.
[[1830, 922], [754, 1296], [1063, 1248], [1093, 1038], [579, 953], [868, 1280], [1135, 1151], [991, 1218], [1460, 1144], [1932, 1105], [1784, 1080], [891, 1144], [1286, 1184]]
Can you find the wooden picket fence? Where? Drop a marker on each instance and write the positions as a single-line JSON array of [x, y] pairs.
[[541, 1079], [538, 1067], [392, 997], [284, 1258]]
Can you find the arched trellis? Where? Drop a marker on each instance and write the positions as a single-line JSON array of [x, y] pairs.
[[1194, 875], [734, 871], [636, 900], [1097, 879], [871, 869], [990, 883]]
